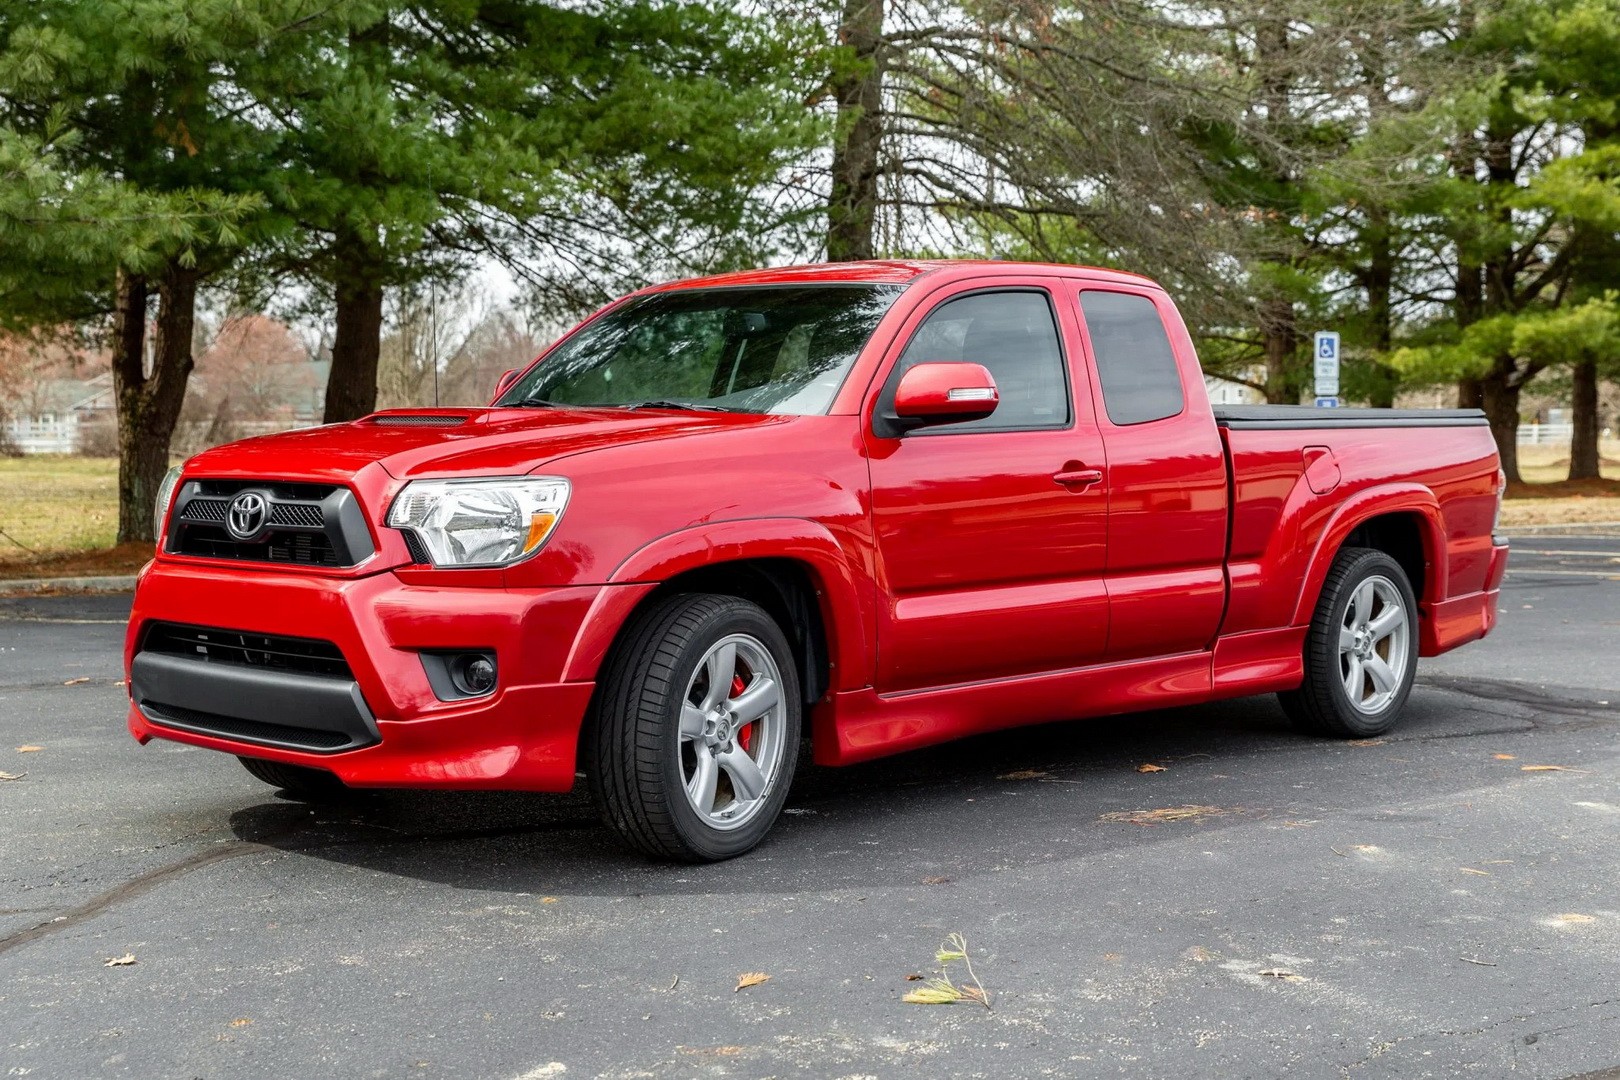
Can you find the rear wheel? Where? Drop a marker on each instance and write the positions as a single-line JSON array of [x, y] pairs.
[[1361, 652], [695, 734], [311, 785]]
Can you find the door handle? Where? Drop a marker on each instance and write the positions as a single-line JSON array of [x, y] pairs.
[[1076, 477]]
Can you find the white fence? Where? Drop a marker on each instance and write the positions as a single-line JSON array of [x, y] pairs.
[[1533, 434]]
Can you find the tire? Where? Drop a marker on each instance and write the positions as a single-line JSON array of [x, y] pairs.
[[310, 785], [1361, 652], [655, 722]]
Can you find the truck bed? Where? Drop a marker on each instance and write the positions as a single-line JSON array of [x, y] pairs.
[[1288, 417]]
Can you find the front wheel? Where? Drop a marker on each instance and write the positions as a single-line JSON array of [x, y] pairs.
[[1361, 652], [695, 733]]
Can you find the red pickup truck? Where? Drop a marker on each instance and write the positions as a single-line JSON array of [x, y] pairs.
[[875, 505]]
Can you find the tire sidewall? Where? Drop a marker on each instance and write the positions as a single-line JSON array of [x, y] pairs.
[[1369, 564], [702, 839]]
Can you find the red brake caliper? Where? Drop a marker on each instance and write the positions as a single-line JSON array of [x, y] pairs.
[[745, 737]]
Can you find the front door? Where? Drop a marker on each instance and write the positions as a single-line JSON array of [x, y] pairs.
[[991, 535]]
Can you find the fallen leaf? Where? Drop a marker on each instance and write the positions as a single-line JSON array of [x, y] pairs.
[[1504, 757], [121, 961], [1150, 768], [1024, 774], [12, 775], [915, 978], [750, 978], [1279, 973], [1577, 918], [1543, 768], [29, 749], [936, 881], [1167, 813], [1471, 870], [548, 899], [1365, 742], [76, 682], [241, 1021]]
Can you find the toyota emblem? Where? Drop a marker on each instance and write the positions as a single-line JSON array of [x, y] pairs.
[[247, 515]]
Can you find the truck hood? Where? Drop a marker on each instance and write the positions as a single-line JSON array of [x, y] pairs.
[[415, 443]]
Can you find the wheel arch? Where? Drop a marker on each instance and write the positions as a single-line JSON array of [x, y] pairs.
[[1402, 521]]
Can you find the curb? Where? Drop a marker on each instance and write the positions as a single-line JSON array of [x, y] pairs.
[[1572, 528], [112, 583]]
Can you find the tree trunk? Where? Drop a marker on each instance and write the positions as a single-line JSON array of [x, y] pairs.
[[351, 387], [1583, 447], [857, 137], [1500, 398], [1380, 308], [149, 404], [1470, 393], [1280, 330]]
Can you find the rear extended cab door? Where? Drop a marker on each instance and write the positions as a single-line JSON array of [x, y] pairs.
[[1167, 475]]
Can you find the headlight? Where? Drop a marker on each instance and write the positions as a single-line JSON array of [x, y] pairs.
[[171, 480], [480, 522]]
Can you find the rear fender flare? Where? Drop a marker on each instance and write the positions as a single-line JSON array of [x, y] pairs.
[[1363, 507]]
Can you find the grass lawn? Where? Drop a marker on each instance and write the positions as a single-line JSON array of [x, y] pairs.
[[59, 515]]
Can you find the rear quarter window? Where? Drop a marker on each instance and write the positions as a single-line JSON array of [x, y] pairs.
[[1135, 364]]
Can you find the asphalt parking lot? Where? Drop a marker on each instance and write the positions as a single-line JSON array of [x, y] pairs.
[[1439, 902]]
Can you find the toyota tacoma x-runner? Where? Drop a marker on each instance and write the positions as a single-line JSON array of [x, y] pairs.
[[855, 509]]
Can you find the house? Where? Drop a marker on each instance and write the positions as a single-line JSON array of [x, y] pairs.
[[60, 416]]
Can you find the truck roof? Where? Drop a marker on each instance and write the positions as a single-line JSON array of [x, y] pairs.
[[896, 272]]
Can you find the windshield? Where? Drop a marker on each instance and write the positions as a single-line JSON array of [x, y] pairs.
[[771, 349]]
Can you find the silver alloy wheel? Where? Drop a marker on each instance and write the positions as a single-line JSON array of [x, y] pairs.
[[1375, 637], [732, 731]]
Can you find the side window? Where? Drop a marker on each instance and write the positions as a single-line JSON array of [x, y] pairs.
[[1014, 334], [1135, 364]]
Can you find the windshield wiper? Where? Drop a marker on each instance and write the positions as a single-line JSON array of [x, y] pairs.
[[533, 403], [672, 405]]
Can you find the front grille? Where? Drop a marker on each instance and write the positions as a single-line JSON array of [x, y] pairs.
[[294, 515], [308, 549], [306, 524], [230, 727], [309, 656]]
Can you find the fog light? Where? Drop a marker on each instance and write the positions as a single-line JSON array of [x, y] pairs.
[[474, 674]]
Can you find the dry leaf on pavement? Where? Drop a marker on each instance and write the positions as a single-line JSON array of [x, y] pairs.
[[750, 978], [1150, 768], [120, 961], [1504, 757], [29, 749], [1543, 768], [76, 682], [1167, 813]]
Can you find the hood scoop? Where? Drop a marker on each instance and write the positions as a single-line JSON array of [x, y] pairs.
[[419, 420]]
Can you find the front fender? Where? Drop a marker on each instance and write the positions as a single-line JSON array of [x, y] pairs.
[[1362, 507], [847, 609]]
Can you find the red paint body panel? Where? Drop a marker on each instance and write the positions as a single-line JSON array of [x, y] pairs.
[[965, 581]]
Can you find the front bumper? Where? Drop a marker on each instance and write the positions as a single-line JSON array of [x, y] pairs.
[[523, 736]]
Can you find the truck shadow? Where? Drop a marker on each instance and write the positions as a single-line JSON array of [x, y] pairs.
[[1028, 797]]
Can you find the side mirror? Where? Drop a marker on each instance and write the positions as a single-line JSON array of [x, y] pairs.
[[505, 383], [944, 393]]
